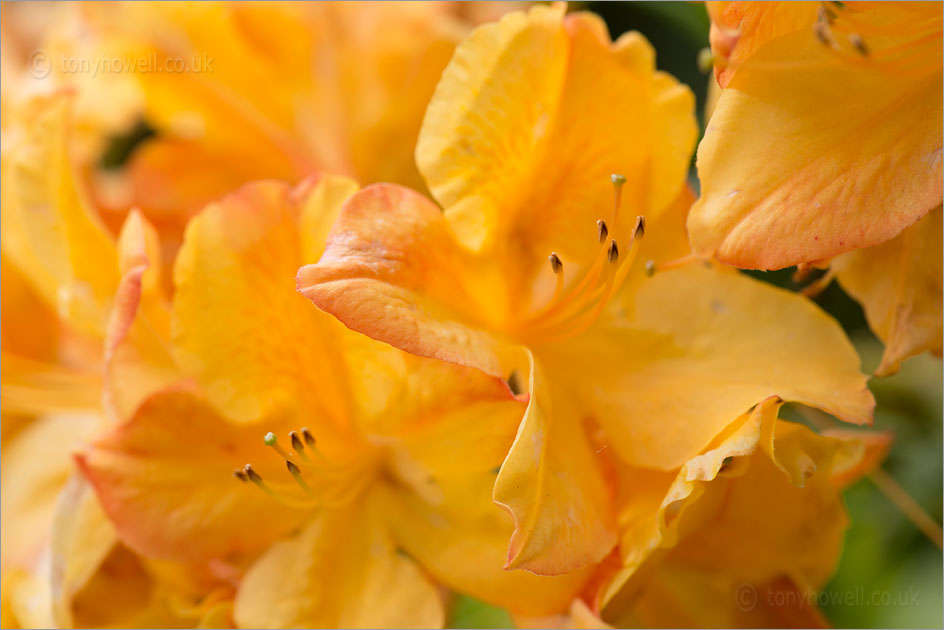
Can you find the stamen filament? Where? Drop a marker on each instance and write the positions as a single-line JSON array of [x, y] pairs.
[[254, 477], [297, 475], [580, 317]]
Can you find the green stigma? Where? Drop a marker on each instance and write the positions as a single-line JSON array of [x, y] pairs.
[[618, 179], [269, 438]]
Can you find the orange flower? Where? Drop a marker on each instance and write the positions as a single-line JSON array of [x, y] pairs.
[[743, 535], [377, 468], [518, 145], [827, 139], [70, 287], [84, 280], [276, 90], [827, 135]]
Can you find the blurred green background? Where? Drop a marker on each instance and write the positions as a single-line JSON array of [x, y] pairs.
[[884, 553]]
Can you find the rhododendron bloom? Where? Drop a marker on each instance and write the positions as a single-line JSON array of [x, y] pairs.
[[743, 535], [531, 267], [277, 90], [827, 135], [826, 139], [360, 471], [67, 283]]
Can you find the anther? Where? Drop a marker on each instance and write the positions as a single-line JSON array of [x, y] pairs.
[[650, 268], [602, 230], [272, 442], [309, 438], [859, 44], [296, 442], [706, 60], [292, 468], [556, 263], [618, 179], [612, 253], [821, 30], [251, 474], [826, 14], [239, 474], [640, 226]]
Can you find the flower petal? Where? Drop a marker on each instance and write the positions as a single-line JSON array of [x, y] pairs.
[[520, 138], [441, 509], [692, 349], [739, 28], [831, 178], [552, 484], [81, 540], [137, 355], [736, 518], [50, 233], [898, 284], [393, 271], [239, 327], [165, 480], [341, 571], [31, 484]]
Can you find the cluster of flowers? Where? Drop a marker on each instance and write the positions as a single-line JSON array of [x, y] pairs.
[[387, 308]]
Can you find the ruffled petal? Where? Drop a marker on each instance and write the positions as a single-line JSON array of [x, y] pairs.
[[393, 271], [553, 485], [899, 285], [238, 326], [690, 349], [822, 180], [165, 479], [50, 232], [520, 139], [137, 353], [441, 507]]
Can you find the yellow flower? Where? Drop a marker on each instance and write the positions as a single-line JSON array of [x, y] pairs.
[[827, 135], [743, 535], [518, 145], [826, 139], [377, 466], [86, 284], [68, 287], [63, 565], [276, 90]]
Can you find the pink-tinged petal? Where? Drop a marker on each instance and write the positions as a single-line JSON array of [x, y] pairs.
[[393, 271], [165, 479]]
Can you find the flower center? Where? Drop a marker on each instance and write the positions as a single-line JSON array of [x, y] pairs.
[[578, 302], [317, 480]]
